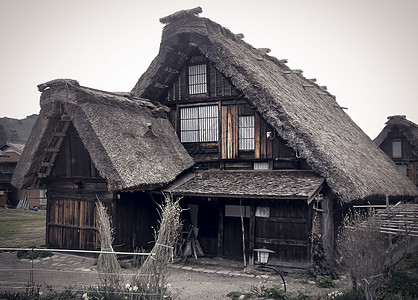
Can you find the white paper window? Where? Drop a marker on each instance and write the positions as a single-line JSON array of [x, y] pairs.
[[262, 211], [199, 124], [397, 148], [246, 132], [197, 80], [262, 165]]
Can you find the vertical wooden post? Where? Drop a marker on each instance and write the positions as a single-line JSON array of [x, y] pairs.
[[252, 234], [328, 227], [243, 233], [221, 232]]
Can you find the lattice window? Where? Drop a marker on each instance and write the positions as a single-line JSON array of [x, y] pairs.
[[199, 124], [246, 133], [198, 80]]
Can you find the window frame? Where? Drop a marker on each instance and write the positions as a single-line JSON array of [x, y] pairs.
[[244, 131], [203, 130], [195, 85]]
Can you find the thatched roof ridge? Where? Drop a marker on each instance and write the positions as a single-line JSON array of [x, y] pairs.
[[408, 128], [130, 141], [304, 115]]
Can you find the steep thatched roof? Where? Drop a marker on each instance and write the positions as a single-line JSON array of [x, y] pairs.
[[408, 128], [130, 141], [304, 114]]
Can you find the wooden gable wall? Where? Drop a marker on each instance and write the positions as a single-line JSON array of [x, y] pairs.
[[72, 188], [231, 105]]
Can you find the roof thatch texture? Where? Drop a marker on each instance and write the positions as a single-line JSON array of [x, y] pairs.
[[408, 128], [305, 115], [256, 184], [130, 141]]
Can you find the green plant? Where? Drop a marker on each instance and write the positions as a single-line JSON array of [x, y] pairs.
[[274, 292], [34, 293], [239, 295], [33, 254], [324, 282]]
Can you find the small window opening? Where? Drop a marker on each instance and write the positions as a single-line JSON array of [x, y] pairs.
[[396, 148], [197, 79]]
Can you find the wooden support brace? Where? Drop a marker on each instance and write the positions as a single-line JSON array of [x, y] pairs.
[[59, 134], [264, 50], [170, 70], [46, 164], [239, 36], [160, 85]]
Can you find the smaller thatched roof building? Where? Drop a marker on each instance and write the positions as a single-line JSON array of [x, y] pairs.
[[129, 139], [409, 130]]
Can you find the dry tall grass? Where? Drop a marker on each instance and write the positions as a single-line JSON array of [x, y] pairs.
[[150, 279]]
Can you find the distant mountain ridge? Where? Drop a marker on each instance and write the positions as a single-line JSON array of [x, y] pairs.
[[15, 130]]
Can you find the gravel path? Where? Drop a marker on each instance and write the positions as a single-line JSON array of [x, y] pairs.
[[186, 281]]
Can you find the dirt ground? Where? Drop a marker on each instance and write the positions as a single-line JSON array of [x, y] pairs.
[[187, 281], [79, 272]]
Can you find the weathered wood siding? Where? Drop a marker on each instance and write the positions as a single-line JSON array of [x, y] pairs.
[[286, 231], [73, 186], [134, 220]]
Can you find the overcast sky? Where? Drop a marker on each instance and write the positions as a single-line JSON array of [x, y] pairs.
[[364, 51]]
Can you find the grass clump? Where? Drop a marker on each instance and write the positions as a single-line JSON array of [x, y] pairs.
[[324, 282]]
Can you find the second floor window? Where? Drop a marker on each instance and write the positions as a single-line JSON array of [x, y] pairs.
[[397, 149], [197, 80], [246, 133], [199, 124]]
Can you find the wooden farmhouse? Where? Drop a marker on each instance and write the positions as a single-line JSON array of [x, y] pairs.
[[261, 156], [399, 140], [10, 196]]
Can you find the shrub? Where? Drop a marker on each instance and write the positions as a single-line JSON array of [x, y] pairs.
[[324, 282]]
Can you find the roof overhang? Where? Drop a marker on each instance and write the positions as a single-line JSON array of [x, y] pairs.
[[268, 184]]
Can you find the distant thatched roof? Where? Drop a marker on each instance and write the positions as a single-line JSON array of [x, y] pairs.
[[130, 141], [304, 114], [408, 128]]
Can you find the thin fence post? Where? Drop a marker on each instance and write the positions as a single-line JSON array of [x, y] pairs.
[[31, 270]]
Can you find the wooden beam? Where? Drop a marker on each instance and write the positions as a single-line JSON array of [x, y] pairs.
[[285, 242], [160, 85]]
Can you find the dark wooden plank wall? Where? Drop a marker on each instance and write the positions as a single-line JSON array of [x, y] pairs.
[[135, 219], [286, 231]]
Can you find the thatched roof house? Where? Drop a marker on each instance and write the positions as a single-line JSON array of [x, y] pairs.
[[304, 114], [129, 139], [409, 130], [399, 140]]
